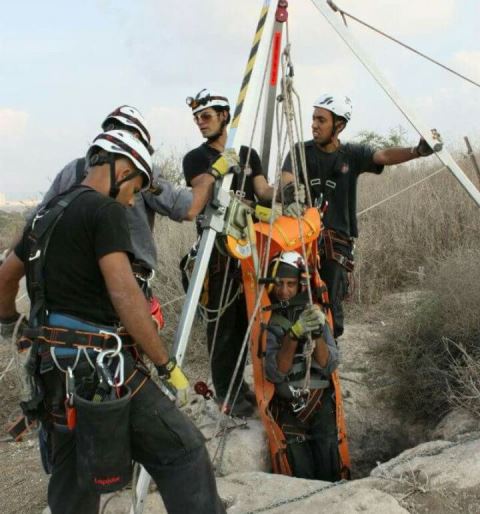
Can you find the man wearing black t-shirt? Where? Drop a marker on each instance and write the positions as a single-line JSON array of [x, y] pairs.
[[211, 113], [333, 169], [86, 285]]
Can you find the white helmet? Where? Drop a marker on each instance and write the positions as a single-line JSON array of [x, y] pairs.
[[130, 118], [205, 99], [124, 143], [287, 264], [339, 105]]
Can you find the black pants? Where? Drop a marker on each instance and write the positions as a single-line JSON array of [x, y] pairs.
[[231, 330], [163, 440], [312, 447], [336, 279]]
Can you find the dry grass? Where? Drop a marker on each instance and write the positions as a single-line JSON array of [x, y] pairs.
[[11, 224], [405, 233], [174, 240]]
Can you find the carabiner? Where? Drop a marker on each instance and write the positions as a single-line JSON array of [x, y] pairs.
[[117, 339]]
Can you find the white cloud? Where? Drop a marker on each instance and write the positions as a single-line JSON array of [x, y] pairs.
[[172, 127], [468, 63], [13, 123], [400, 17]]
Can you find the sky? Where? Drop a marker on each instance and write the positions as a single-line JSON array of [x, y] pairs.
[[65, 65]]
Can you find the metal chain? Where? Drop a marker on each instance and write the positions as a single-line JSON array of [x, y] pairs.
[[296, 499]]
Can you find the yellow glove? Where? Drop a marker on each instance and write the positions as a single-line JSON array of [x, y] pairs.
[[310, 320], [174, 379], [267, 214], [225, 162]]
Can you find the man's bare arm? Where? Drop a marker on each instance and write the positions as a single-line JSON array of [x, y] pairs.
[[131, 305], [262, 189], [390, 156], [287, 177], [202, 190], [11, 272]]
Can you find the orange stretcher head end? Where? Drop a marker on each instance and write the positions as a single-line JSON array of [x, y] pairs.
[[286, 234]]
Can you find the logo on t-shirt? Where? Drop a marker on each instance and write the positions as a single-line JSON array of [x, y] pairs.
[[344, 168]]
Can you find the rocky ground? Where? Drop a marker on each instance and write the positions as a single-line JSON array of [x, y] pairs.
[[399, 465]]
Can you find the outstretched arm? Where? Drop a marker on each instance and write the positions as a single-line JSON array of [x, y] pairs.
[[202, 190], [389, 156]]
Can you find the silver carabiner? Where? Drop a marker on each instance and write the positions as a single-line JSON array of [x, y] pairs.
[[118, 378], [102, 369], [117, 339]]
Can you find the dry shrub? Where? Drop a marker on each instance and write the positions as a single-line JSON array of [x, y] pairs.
[[404, 233], [437, 345], [174, 240], [11, 225]]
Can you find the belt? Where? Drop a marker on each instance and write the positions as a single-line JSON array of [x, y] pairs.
[[70, 338], [329, 238]]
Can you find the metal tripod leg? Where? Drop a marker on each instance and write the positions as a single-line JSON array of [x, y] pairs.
[[215, 219]]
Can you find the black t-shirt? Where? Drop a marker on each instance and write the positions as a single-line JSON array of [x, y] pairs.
[[92, 226], [342, 167], [199, 160]]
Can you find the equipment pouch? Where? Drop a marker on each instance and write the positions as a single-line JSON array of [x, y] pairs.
[[104, 462]]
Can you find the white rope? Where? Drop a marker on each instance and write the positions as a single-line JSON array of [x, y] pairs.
[[290, 116], [174, 300], [401, 191], [7, 369]]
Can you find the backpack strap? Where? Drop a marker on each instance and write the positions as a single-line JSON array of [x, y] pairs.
[[80, 170], [41, 230]]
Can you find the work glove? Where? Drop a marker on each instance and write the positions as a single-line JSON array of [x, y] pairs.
[[294, 201], [225, 162], [174, 379], [267, 214], [7, 326], [310, 320], [423, 149]]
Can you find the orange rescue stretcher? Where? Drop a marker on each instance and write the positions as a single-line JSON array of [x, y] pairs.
[[285, 236]]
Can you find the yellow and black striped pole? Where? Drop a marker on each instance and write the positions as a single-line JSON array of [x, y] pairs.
[[249, 69]]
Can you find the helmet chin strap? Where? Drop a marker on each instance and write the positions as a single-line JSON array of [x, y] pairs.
[[114, 185]]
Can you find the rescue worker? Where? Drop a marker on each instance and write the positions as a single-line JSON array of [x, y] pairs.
[[211, 113], [306, 417], [83, 283], [333, 168], [164, 198]]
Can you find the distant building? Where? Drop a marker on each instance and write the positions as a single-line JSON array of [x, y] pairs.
[[17, 205]]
